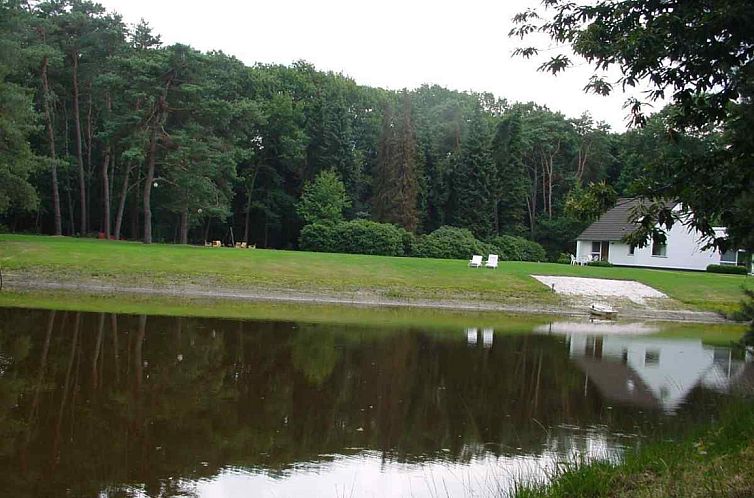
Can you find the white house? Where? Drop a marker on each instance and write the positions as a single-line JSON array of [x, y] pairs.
[[603, 240]]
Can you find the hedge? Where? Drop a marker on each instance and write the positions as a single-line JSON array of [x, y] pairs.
[[384, 239], [355, 237], [318, 237], [518, 248], [730, 269], [370, 237], [450, 243]]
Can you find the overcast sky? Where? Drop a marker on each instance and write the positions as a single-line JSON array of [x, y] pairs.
[[387, 43]]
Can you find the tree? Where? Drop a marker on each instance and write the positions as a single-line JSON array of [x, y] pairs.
[[473, 202], [17, 123], [588, 204], [509, 187], [395, 179], [547, 143], [324, 199], [698, 54]]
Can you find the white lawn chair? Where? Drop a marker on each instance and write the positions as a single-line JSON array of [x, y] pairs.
[[491, 261], [476, 261], [574, 261]]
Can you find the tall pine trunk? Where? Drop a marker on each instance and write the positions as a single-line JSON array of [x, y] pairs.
[[121, 204], [106, 180], [151, 153], [53, 153], [79, 150], [106, 193], [183, 235], [247, 223], [156, 125], [89, 170]]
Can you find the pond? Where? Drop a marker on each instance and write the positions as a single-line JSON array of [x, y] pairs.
[[95, 404]]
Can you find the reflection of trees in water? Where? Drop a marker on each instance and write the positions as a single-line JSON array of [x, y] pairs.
[[313, 353], [89, 401]]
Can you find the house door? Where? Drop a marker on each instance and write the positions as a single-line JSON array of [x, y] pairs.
[[605, 250]]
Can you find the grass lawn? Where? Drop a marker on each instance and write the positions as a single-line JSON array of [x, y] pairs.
[[132, 263]]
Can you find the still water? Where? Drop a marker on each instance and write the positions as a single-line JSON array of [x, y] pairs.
[[122, 405]]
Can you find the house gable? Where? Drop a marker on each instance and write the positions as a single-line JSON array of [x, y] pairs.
[[614, 224]]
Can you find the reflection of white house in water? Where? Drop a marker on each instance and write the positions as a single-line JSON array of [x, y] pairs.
[[653, 372], [472, 337]]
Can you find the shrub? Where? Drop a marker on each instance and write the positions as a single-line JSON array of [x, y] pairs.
[[730, 269], [564, 258], [356, 237], [533, 251], [370, 237], [450, 243], [518, 249], [324, 199], [319, 237], [605, 264], [409, 243]]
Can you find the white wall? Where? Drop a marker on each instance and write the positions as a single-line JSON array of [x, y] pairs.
[[683, 252]]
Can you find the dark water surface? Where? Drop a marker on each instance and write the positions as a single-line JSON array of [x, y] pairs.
[[120, 405]]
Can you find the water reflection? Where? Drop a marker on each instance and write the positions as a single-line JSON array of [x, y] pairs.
[[113, 405]]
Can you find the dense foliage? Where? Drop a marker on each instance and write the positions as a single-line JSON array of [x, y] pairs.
[[355, 237], [518, 249], [109, 132], [449, 243], [700, 56], [324, 199]]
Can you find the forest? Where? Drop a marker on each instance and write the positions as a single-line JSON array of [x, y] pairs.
[[107, 132]]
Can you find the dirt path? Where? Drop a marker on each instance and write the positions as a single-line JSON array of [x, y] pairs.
[[569, 306]]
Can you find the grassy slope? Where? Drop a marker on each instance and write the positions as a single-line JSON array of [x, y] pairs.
[[713, 461], [132, 263]]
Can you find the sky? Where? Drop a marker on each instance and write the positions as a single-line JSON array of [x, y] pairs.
[[395, 44]]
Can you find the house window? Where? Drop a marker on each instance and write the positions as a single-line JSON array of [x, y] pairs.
[[659, 248], [729, 257], [596, 246], [631, 250]]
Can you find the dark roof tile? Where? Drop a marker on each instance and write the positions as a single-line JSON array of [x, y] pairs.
[[614, 224]]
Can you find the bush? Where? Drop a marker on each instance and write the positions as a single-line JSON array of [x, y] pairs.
[[518, 249], [355, 237], [605, 264], [730, 269], [450, 243], [564, 258], [533, 251], [370, 237], [409, 243], [319, 237]]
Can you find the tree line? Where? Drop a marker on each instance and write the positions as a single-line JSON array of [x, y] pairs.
[[109, 132]]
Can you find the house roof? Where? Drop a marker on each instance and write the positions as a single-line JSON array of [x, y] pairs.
[[614, 224]]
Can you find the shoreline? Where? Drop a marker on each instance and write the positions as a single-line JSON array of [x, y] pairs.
[[567, 307]]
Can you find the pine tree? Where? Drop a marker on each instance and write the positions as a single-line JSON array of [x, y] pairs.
[[396, 186], [509, 186], [472, 199]]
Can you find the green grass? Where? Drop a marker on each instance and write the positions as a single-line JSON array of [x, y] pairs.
[[134, 263], [717, 460]]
